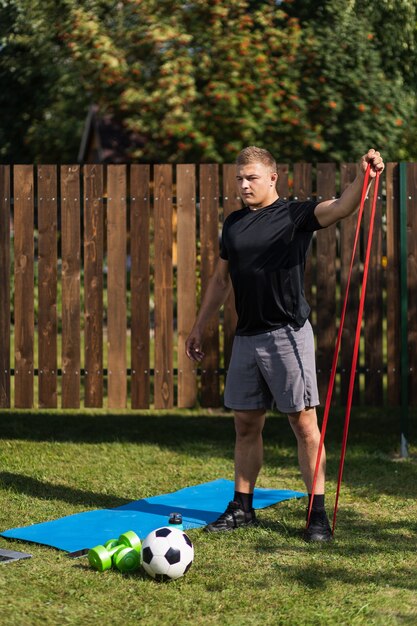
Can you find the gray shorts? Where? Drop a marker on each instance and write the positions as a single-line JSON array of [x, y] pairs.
[[273, 368]]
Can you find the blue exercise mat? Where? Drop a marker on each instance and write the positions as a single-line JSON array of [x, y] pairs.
[[199, 505]]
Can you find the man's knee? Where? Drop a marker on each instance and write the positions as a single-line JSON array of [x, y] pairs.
[[304, 424], [249, 424]]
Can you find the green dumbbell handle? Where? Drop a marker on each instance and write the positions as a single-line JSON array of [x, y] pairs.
[[100, 557], [131, 540], [127, 560]]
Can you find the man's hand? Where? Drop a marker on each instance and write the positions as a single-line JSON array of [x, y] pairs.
[[331, 211], [216, 293], [193, 346], [376, 161]]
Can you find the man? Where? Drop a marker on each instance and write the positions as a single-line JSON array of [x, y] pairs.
[[263, 252]]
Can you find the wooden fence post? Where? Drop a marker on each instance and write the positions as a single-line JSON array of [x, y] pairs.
[[411, 203], [116, 286], [209, 247], [186, 280], [71, 289], [93, 284], [4, 286], [47, 285], [164, 333], [140, 284], [24, 316], [393, 286]]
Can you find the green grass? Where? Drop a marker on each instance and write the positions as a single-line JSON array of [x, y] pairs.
[[58, 463]]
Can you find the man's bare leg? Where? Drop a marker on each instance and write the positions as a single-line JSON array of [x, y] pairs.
[[248, 448], [248, 462], [306, 430]]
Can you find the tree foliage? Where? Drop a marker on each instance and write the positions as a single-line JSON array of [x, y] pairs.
[[200, 79], [359, 67], [42, 104], [196, 79]]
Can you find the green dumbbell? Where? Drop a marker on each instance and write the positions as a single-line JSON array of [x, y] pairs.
[[130, 557], [103, 557], [131, 540], [100, 557], [127, 559]]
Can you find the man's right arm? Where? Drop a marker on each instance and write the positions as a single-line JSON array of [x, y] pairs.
[[216, 294]]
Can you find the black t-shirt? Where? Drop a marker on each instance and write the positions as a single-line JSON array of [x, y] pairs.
[[266, 250]]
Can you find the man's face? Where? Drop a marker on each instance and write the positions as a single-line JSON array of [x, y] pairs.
[[256, 184]]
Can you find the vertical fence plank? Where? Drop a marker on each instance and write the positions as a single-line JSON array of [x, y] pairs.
[[393, 287], [116, 285], [140, 284], [186, 280], [24, 285], [347, 236], [93, 284], [283, 182], [47, 285], [374, 367], [302, 186], [209, 246], [412, 277], [231, 202], [326, 282], [302, 190], [4, 286], [164, 380], [71, 271], [405, 373]]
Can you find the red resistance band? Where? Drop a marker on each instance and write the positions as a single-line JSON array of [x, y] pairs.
[[355, 348]]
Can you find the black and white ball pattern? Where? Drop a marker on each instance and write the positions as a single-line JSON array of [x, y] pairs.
[[167, 553]]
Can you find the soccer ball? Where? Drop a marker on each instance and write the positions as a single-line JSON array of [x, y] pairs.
[[167, 553]]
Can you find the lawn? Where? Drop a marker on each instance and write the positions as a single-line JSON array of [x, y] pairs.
[[55, 463]]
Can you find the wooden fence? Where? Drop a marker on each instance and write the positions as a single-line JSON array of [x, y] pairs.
[[102, 267]]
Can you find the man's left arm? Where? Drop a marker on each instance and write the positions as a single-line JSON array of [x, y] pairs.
[[331, 211]]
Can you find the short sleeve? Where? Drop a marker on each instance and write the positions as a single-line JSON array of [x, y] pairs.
[[302, 215]]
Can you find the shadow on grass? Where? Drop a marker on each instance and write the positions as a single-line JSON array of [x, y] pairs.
[[167, 429], [373, 441], [378, 428], [49, 491], [45, 490]]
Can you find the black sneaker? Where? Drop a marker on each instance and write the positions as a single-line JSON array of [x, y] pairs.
[[318, 528], [233, 517]]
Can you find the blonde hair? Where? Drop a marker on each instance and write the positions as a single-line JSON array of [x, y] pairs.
[[253, 154]]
